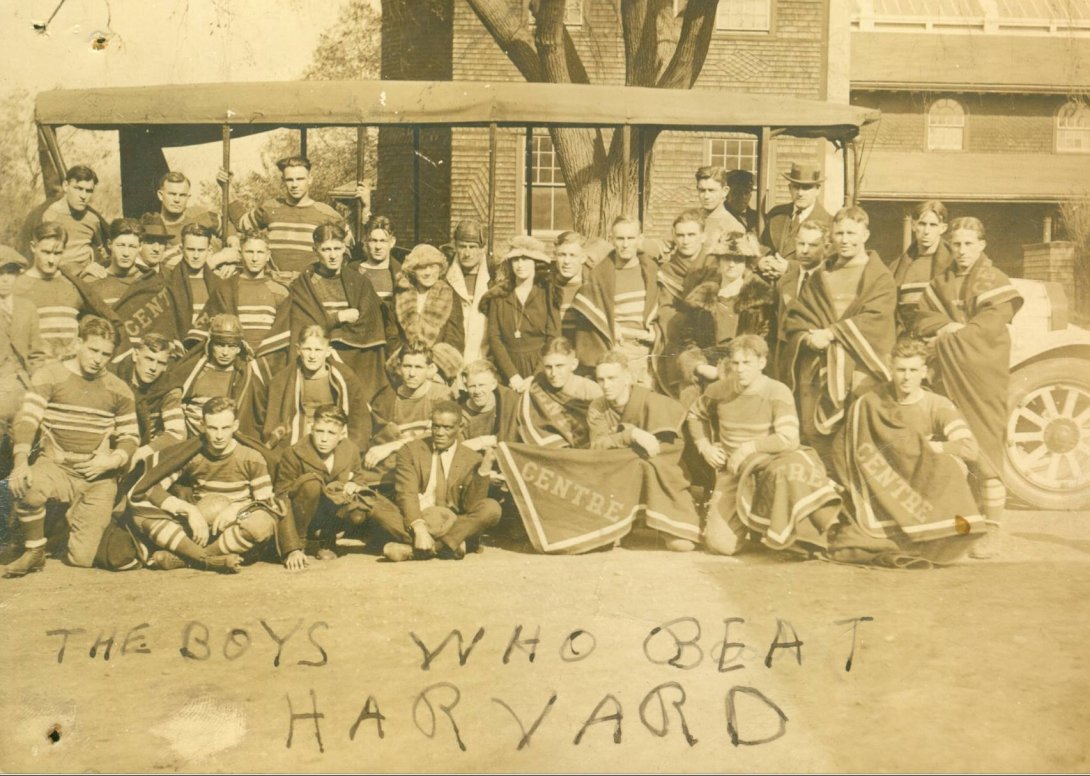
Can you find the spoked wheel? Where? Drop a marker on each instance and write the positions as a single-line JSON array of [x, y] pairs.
[[1048, 434]]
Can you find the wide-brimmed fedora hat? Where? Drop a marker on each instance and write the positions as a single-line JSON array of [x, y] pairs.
[[806, 174]]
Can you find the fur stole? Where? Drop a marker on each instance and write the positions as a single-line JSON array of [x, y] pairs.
[[426, 326]]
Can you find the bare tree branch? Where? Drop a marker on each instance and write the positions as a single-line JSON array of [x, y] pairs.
[[692, 47], [508, 27]]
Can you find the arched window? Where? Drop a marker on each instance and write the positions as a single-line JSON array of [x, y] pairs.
[[1073, 128], [946, 126]]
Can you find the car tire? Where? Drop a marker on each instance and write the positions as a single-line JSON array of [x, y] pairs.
[[1047, 461]]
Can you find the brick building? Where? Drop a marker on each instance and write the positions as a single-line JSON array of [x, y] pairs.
[[777, 47], [983, 106]]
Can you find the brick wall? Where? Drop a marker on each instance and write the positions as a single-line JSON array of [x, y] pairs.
[[787, 61], [995, 123]]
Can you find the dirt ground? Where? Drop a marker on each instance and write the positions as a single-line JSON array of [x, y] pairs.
[[978, 667]]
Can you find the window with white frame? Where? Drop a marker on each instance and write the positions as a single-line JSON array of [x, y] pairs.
[[946, 126], [744, 15], [735, 151], [573, 13], [549, 203], [1073, 128]]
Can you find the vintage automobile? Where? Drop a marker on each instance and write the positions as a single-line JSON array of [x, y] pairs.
[[1048, 451], [1048, 429]]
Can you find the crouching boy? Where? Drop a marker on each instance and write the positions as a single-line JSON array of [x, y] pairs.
[[321, 477], [207, 502]]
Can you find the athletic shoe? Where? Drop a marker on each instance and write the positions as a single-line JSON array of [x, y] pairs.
[[164, 560], [32, 559]]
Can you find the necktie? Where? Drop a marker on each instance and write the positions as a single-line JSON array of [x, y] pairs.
[[440, 482]]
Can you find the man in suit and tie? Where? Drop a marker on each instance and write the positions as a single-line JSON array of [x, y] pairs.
[[442, 498], [782, 222], [811, 249]]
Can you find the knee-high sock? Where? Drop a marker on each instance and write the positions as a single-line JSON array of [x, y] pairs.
[[170, 535], [32, 519], [242, 536], [993, 496]]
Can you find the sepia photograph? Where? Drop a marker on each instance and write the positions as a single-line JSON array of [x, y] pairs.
[[545, 386]]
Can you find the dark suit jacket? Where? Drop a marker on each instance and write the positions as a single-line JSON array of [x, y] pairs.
[[779, 232], [26, 338], [465, 488]]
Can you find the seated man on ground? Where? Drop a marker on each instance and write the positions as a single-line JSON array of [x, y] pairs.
[[441, 495], [207, 502], [322, 478], [629, 416], [745, 428], [74, 409], [402, 414], [906, 469]]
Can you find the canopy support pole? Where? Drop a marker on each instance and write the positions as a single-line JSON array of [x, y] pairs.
[[492, 140], [641, 172], [48, 139], [303, 142], [626, 158], [361, 139], [529, 175], [416, 185], [226, 209], [764, 172]]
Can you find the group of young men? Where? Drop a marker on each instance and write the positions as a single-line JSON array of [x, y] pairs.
[[191, 393]]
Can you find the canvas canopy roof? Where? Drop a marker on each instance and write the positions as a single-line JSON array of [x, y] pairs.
[[449, 103]]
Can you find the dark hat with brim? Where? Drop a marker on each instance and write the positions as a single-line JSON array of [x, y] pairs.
[[10, 257], [154, 228], [805, 174]]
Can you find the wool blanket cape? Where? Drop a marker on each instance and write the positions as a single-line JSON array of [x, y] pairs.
[[972, 365], [184, 374], [277, 407], [773, 495], [574, 501], [862, 340], [594, 304], [912, 273], [149, 398], [304, 308], [144, 307], [554, 417], [189, 331], [898, 487]]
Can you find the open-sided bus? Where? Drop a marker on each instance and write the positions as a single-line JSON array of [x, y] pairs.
[[1048, 455]]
